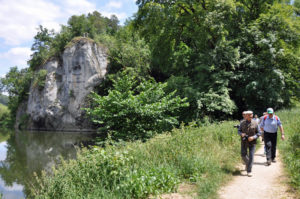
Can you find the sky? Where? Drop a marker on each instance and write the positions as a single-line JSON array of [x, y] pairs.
[[19, 20]]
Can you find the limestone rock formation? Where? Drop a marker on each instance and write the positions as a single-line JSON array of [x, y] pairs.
[[58, 105]]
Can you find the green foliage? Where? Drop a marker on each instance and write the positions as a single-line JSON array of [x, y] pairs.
[[127, 49], [39, 79], [135, 110], [297, 6], [228, 53], [100, 173], [17, 84], [41, 47], [204, 156], [291, 147], [5, 121], [47, 43]]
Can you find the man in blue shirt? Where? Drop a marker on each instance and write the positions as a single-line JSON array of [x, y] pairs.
[[269, 126]]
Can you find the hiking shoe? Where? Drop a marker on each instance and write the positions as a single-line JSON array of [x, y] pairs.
[[268, 162], [249, 174], [274, 160]]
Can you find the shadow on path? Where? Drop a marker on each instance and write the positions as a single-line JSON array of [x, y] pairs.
[[259, 163]]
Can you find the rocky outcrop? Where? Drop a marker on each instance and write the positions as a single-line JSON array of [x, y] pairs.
[[58, 105]]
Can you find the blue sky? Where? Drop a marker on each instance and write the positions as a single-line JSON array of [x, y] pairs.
[[20, 18]]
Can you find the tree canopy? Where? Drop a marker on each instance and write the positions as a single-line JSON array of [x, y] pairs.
[[224, 54]]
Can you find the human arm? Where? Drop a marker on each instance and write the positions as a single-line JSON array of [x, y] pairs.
[[240, 131], [281, 129], [282, 132], [258, 133], [261, 125]]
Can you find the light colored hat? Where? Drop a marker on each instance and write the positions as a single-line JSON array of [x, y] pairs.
[[270, 110], [248, 112]]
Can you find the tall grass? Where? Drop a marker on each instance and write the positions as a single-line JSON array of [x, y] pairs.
[[203, 156], [290, 149]]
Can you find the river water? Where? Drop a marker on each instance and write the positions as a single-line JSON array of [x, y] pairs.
[[23, 153]]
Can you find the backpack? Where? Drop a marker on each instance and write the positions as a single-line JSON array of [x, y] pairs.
[[267, 116]]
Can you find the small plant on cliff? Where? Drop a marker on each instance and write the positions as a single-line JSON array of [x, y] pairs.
[[40, 78], [133, 110]]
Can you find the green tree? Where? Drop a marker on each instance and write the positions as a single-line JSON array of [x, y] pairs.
[[41, 47], [16, 83], [135, 110], [244, 52]]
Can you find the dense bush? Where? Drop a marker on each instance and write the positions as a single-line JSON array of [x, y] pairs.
[[135, 110], [242, 54], [291, 147]]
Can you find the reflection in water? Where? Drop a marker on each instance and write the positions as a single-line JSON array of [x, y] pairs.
[[25, 153]]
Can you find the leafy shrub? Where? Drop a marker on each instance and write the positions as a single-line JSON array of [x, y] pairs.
[[101, 173], [133, 110]]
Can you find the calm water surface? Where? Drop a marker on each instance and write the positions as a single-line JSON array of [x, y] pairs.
[[23, 153]]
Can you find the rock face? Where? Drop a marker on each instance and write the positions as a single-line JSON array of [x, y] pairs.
[[58, 106]]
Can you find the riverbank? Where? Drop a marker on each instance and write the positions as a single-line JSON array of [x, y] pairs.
[[203, 157]]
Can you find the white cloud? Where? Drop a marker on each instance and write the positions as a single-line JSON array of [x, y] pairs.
[[16, 56], [19, 19], [77, 7], [114, 4], [120, 15]]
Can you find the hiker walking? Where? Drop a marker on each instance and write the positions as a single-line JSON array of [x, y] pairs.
[[256, 119], [269, 126], [249, 133]]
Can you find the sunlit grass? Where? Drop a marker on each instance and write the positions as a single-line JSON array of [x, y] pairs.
[[290, 149]]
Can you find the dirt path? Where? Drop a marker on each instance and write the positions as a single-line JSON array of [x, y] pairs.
[[266, 182]]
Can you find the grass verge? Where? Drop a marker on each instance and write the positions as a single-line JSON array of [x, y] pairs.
[[290, 149]]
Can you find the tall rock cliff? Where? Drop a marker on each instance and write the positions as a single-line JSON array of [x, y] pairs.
[[58, 105]]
